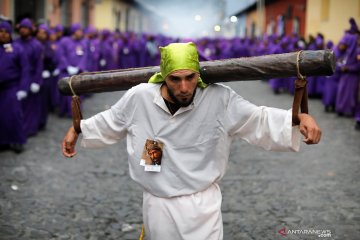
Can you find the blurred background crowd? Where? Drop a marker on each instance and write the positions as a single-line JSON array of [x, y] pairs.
[[35, 54]]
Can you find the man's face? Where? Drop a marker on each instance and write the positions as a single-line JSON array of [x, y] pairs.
[[53, 37], [41, 35], [181, 85], [59, 34], [78, 34], [342, 47], [24, 32], [155, 155], [5, 37]]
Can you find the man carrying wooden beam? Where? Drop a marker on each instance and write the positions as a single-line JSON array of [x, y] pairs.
[[193, 124]]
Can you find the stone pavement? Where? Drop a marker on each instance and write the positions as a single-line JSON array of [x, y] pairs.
[[45, 196]]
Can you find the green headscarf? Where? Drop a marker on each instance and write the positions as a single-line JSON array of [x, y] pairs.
[[178, 56]]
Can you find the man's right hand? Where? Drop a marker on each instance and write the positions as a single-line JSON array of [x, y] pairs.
[[69, 142]]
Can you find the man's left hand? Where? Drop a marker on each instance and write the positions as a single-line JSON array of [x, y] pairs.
[[309, 128]]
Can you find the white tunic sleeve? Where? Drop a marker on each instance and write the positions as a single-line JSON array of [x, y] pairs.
[[269, 128], [107, 127]]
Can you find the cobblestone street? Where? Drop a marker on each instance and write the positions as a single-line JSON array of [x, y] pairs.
[[91, 196]]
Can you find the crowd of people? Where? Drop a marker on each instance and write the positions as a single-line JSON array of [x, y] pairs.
[[34, 61]]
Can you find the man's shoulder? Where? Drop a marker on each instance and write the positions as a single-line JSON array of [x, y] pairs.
[[142, 90], [218, 88], [141, 93], [145, 87], [220, 92]]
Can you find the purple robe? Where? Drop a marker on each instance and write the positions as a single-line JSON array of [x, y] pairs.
[[108, 52], [277, 84], [357, 111], [239, 48], [93, 48], [142, 55], [331, 82], [74, 54], [204, 52], [225, 50], [315, 83], [49, 91], [151, 52], [14, 74], [32, 104], [291, 80], [94, 54], [347, 94], [56, 58], [127, 58]]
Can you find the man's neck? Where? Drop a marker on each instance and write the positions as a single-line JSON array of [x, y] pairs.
[[173, 107], [164, 93]]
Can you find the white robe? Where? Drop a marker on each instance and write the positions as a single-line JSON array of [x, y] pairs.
[[196, 141]]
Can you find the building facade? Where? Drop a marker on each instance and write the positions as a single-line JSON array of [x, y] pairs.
[[331, 17], [49, 11], [286, 16], [125, 15], [304, 17]]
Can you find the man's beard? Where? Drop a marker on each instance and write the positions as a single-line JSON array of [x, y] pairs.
[[177, 101]]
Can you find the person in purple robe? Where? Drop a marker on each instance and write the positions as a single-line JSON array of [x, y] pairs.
[[217, 48], [141, 42], [331, 82], [298, 44], [291, 46], [224, 49], [59, 30], [357, 112], [137, 49], [13, 90], [239, 48], [329, 44], [108, 51], [315, 83], [75, 50], [311, 45], [263, 47], [206, 48], [151, 51], [55, 66], [51, 71], [75, 58], [33, 50], [93, 45], [320, 80], [279, 84], [347, 94], [127, 54], [354, 30]]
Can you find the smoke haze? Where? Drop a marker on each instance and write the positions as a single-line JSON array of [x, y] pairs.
[[178, 17]]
